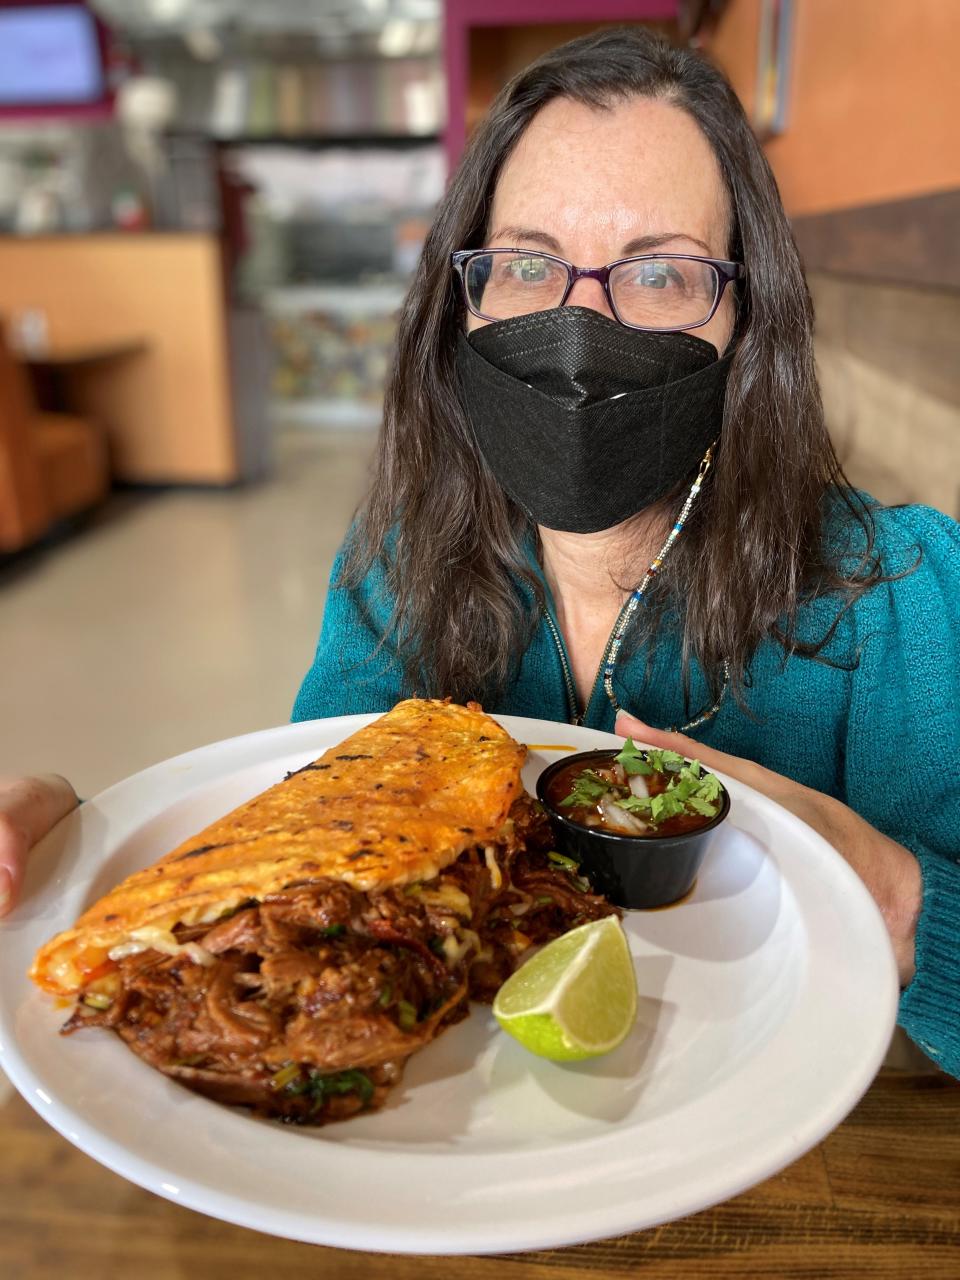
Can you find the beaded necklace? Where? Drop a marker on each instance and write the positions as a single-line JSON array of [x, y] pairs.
[[631, 606]]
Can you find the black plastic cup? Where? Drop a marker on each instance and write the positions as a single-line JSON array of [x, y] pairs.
[[630, 871]]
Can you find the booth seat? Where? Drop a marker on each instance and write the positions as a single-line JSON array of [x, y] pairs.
[[52, 465]]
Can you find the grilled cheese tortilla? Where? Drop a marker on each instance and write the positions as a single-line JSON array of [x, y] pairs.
[[396, 802], [292, 955]]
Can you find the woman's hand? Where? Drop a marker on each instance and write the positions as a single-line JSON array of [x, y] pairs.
[[29, 808], [890, 872]]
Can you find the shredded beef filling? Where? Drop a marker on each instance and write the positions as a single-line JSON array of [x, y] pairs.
[[313, 999]]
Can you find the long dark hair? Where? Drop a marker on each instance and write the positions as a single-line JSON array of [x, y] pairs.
[[455, 546]]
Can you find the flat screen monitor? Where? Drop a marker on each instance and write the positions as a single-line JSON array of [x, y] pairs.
[[50, 56]]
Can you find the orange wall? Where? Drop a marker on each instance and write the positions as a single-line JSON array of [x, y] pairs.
[[168, 412], [874, 98]]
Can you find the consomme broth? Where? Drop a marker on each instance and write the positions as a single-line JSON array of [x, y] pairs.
[[563, 783]]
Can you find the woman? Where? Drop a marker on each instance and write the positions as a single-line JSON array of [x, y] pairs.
[[604, 493]]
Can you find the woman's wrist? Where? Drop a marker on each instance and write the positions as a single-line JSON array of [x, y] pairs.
[[893, 876]]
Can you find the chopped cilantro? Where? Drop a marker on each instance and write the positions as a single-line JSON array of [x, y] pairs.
[[634, 760], [705, 807], [561, 860], [333, 931], [665, 761], [587, 789], [709, 788], [666, 805], [634, 804], [406, 1015], [319, 1087]]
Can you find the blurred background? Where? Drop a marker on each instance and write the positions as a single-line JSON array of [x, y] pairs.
[[209, 213]]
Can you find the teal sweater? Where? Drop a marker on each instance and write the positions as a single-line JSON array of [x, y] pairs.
[[879, 731]]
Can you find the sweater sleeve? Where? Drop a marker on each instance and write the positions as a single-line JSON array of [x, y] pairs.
[[902, 765], [356, 667]]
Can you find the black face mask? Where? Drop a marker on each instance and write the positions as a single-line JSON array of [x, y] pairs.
[[585, 422]]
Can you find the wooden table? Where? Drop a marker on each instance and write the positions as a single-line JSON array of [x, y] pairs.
[[880, 1198]]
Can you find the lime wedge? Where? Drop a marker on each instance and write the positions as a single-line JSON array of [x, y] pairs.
[[576, 998]]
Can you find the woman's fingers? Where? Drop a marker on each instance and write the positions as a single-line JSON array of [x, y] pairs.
[[784, 790], [744, 770], [29, 808]]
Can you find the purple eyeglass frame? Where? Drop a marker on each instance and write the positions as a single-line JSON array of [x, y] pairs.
[[726, 272]]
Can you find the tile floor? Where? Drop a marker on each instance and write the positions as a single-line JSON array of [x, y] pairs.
[[175, 619]]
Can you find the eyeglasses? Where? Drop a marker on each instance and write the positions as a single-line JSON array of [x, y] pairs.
[[663, 292]]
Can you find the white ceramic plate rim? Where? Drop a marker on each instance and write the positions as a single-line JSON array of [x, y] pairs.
[[751, 1124]]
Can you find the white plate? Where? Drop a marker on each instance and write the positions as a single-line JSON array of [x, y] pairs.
[[767, 1004]]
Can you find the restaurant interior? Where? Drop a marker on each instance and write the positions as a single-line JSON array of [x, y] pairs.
[[210, 212]]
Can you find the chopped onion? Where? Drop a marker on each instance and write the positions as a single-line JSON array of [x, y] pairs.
[[638, 785], [617, 819], [455, 948]]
